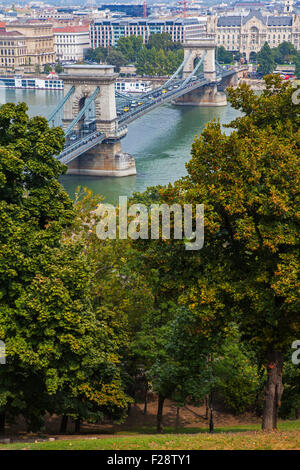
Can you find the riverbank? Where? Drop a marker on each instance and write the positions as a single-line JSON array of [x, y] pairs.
[[254, 83]]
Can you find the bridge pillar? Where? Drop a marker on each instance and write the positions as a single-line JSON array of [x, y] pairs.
[[195, 51], [106, 158], [207, 95]]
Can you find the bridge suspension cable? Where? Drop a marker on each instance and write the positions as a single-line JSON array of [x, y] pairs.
[[60, 105], [194, 71], [87, 103], [178, 70], [124, 96]]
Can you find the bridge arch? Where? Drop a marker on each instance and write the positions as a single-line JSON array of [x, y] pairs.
[[193, 51], [85, 80]]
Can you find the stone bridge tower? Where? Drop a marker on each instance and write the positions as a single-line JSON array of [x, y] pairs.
[[207, 95], [107, 158], [195, 50]]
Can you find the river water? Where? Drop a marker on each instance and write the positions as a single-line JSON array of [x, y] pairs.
[[160, 142]]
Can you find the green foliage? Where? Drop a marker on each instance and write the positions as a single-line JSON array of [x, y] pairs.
[[290, 405], [284, 53], [238, 377], [265, 60], [98, 54], [59, 68], [61, 353], [47, 69], [161, 56], [223, 56], [182, 370], [163, 41], [130, 47], [116, 58]]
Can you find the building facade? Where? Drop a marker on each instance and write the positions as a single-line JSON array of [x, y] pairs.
[[26, 45], [12, 50], [71, 42], [248, 34], [106, 33]]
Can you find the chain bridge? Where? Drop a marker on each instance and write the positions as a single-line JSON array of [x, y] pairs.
[[95, 116]]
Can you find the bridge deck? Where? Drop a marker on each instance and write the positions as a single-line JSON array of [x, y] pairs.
[[150, 100]]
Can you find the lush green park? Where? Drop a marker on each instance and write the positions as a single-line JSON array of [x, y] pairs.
[[93, 325], [236, 438]]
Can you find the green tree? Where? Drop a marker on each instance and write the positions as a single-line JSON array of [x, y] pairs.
[[59, 68], [163, 41], [223, 56], [265, 59], [130, 47], [181, 370], [96, 55], [116, 58], [290, 407], [58, 342], [284, 53], [237, 376], [47, 69], [246, 181]]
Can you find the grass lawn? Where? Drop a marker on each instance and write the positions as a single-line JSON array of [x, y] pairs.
[[247, 437]]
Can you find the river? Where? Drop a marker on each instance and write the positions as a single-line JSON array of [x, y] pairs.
[[160, 142]]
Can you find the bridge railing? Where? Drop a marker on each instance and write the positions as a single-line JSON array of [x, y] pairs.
[[79, 143], [161, 99]]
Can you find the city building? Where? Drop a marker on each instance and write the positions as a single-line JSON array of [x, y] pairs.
[[12, 50], [107, 32], [129, 9], [26, 44], [71, 42], [247, 34]]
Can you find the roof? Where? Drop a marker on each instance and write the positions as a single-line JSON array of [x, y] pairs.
[[29, 22], [255, 14], [147, 21], [280, 20], [230, 21], [71, 29], [10, 33], [267, 20]]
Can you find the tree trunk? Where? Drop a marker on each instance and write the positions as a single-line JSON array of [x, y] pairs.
[[298, 413], [211, 417], [145, 402], [177, 419], [2, 423], [159, 426], [77, 425], [273, 391], [63, 424], [206, 406]]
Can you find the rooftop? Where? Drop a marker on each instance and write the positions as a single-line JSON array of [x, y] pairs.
[[267, 20], [71, 29], [10, 33]]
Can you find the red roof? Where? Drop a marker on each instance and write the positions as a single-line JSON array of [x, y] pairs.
[[71, 29], [10, 33]]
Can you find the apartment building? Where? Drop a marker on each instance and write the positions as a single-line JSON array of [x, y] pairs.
[[25, 45], [12, 50], [71, 42], [247, 34], [107, 32]]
